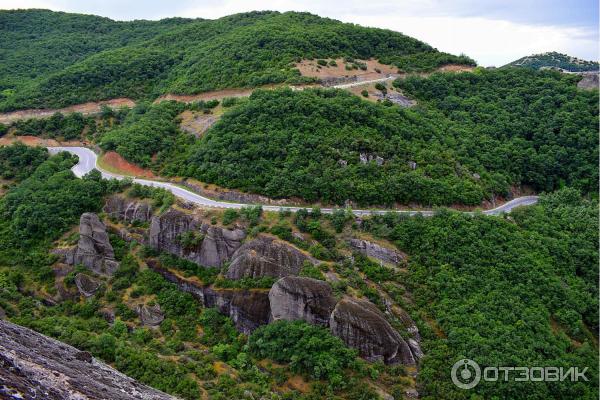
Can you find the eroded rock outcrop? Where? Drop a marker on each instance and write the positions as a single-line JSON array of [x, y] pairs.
[[362, 326], [150, 315], [248, 309], [266, 256], [87, 285], [370, 249], [128, 210], [293, 297], [209, 245], [34, 366], [93, 250]]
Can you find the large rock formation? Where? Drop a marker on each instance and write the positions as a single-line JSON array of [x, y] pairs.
[[362, 326], [266, 256], [128, 210], [214, 245], [293, 297], [589, 81], [34, 366], [370, 249], [248, 309], [87, 285], [93, 250]]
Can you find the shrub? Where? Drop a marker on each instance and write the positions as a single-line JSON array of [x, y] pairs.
[[310, 350]]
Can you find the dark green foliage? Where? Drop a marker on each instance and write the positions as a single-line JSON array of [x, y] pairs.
[[55, 59], [50, 200], [264, 282], [251, 214], [507, 291], [317, 128], [58, 125], [310, 350], [19, 161], [521, 126], [145, 133], [206, 274], [229, 216]]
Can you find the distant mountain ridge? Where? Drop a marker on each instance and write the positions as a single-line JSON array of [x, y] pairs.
[[555, 60], [52, 59]]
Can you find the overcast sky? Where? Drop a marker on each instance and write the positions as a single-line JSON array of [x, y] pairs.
[[493, 32]]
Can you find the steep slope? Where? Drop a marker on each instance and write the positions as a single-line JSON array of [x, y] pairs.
[[144, 59], [35, 43], [34, 364], [555, 60]]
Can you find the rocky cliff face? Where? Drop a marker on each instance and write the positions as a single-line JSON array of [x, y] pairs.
[[128, 210], [362, 326], [93, 250], [212, 245], [292, 298], [266, 256], [248, 309], [373, 250], [34, 366]]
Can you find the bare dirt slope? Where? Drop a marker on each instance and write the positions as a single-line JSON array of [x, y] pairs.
[[85, 108], [313, 69]]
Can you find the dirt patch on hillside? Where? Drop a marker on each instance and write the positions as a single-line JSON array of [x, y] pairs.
[[456, 68], [375, 69], [196, 123], [113, 162], [214, 95], [37, 141], [85, 108]]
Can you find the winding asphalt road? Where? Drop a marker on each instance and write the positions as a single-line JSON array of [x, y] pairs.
[[88, 160]]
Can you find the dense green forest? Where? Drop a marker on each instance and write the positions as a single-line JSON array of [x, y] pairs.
[[512, 290], [535, 127], [56, 59], [195, 351], [555, 60], [520, 290], [472, 138]]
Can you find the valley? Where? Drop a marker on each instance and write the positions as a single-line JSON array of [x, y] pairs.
[[283, 206]]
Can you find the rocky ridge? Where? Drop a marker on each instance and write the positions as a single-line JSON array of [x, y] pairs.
[[34, 366]]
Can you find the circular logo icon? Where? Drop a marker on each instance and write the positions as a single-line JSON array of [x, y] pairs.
[[466, 374]]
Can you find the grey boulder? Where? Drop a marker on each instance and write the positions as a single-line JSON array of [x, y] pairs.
[[301, 298], [94, 250], [265, 256], [361, 325]]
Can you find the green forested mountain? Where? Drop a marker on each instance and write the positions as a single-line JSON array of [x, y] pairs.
[[472, 137], [55, 59], [555, 60]]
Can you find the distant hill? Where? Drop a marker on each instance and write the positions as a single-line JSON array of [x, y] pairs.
[[53, 59], [555, 60]]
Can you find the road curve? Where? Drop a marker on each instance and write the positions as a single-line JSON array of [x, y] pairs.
[[88, 160]]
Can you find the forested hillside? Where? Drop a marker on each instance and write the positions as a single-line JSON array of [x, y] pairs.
[[474, 136], [555, 60], [56, 59]]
